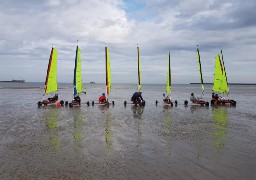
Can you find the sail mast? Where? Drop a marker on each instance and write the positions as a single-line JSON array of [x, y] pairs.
[[139, 77], [200, 70], [106, 62], [224, 70], [74, 81]]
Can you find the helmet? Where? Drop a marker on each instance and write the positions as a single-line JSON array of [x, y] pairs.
[[103, 94]]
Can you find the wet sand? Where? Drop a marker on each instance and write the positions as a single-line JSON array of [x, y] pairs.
[[154, 142]]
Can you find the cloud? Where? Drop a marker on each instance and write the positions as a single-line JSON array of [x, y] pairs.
[[30, 28]]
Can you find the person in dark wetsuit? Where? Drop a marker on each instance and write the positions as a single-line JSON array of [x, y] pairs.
[[136, 97], [166, 99], [77, 99], [193, 98], [54, 98], [215, 96]]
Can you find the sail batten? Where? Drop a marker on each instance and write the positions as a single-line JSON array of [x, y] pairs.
[[78, 84], [200, 70], [168, 79], [51, 77], [139, 75]]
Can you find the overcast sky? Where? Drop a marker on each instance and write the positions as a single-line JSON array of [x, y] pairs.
[[29, 29]]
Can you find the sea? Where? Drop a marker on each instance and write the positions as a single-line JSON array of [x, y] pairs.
[[118, 142]]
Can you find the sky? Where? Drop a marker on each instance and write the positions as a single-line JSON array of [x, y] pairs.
[[29, 29]]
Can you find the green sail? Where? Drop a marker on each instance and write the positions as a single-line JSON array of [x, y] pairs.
[[168, 79], [139, 75], [220, 81], [78, 84], [51, 77]]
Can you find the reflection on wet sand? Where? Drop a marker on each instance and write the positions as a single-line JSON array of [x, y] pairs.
[[194, 108], [199, 135], [137, 113], [51, 120], [167, 133], [103, 107], [220, 118], [167, 120], [108, 135], [78, 122]]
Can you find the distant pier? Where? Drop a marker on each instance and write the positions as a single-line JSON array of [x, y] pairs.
[[230, 83], [15, 81]]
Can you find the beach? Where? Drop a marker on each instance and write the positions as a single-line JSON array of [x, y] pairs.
[[117, 142]]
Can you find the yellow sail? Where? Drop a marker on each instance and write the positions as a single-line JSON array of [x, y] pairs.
[[139, 75], [200, 69], [168, 79], [220, 80], [108, 72], [78, 84], [51, 77]]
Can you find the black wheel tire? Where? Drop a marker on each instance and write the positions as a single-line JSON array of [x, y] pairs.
[[207, 103], [92, 103], [70, 105], [156, 102], [185, 102], [66, 103], [125, 103], [176, 102], [212, 102], [233, 103], [88, 103], [39, 104], [143, 103], [113, 103], [171, 104], [62, 103]]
